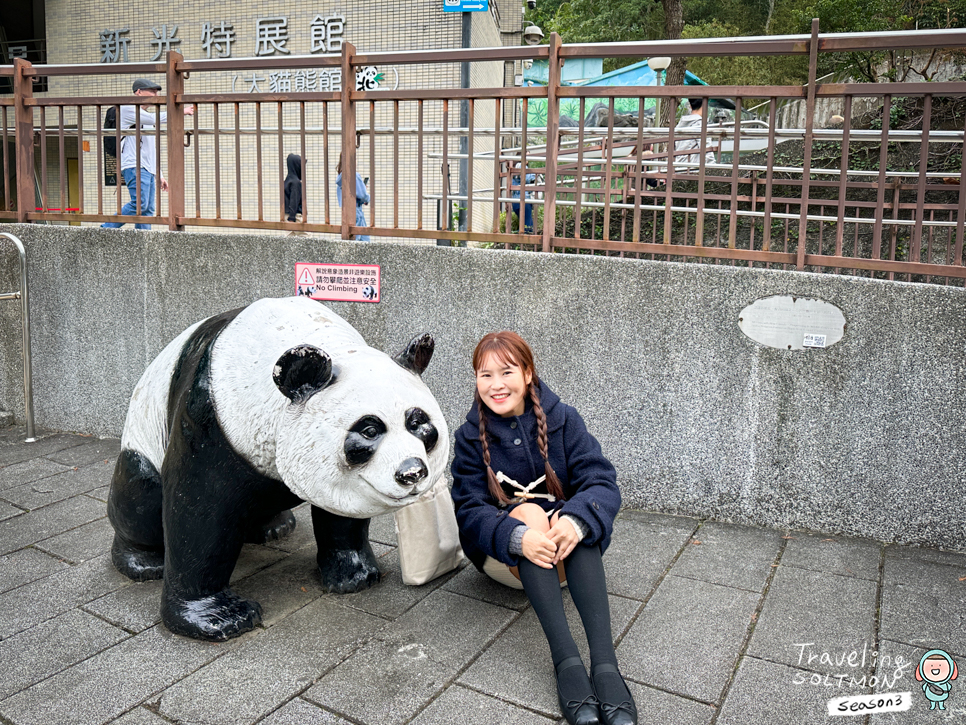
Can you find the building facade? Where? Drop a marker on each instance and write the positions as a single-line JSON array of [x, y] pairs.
[[235, 162]]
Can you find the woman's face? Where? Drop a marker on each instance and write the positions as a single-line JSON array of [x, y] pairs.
[[502, 386]]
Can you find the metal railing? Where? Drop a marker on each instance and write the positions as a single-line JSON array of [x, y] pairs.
[[28, 385], [840, 203]]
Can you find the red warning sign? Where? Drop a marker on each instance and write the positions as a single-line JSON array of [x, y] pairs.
[[338, 282]]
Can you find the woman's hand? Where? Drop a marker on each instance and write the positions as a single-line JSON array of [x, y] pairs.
[[538, 548], [563, 535]]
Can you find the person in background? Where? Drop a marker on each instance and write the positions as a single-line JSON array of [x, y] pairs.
[[362, 197], [691, 124], [293, 193], [293, 188], [515, 193], [131, 116]]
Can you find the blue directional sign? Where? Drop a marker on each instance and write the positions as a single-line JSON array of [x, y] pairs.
[[466, 6]]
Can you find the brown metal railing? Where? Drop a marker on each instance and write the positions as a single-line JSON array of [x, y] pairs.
[[606, 189]]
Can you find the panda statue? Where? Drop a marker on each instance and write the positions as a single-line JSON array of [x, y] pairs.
[[245, 415]]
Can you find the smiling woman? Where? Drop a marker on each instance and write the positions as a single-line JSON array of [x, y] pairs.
[[535, 502]]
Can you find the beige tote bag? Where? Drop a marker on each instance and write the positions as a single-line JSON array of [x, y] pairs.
[[429, 543]]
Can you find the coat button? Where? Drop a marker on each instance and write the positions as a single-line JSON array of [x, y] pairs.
[[596, 506], [517, 441], [513, 424]]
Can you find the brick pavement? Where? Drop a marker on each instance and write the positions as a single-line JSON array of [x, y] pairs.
[[715, 623]]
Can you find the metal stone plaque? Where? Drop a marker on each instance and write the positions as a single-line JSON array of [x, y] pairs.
[[792, 323]]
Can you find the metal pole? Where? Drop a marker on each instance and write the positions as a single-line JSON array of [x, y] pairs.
[[24, 120], [807, 162], [28, 388], [467, 33], [175, 133], [553, 146], [348, 141]]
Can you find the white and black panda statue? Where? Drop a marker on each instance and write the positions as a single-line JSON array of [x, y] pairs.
[[245, 415]]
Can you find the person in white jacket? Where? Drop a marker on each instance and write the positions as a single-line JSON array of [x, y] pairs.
[[129, 117], [691, 125]]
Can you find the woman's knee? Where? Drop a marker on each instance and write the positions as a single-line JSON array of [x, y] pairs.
[[532, 515]]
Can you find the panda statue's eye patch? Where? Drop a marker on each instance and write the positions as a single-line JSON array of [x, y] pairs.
[[419, 424], [363, 438]]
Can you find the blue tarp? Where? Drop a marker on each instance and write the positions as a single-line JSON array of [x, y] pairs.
[[639, 74]]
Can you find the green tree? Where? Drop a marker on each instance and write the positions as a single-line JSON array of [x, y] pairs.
[[597, 21], [608, 21], [746, 17], [741, 70], [855, 16], [673, 27]]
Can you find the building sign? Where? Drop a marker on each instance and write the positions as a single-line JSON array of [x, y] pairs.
[[218, 39], [288, 81], [337, 282], [114, 46], [164, 40], [369, 78], [466, 6]]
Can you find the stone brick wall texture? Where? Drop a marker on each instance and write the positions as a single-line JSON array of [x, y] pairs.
[[864, 437]]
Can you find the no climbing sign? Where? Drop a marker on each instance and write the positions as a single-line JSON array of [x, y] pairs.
[[337, 282]]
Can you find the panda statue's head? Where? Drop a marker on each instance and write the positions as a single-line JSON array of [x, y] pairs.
[[362, 434]]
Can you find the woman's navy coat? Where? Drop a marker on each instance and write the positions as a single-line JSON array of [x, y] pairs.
[[589, 480]]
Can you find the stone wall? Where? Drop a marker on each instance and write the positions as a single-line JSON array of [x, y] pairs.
[[865, 437]]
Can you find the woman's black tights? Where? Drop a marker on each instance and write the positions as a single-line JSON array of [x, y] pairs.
[[588, 588]]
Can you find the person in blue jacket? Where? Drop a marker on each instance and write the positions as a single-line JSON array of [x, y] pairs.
[[535, 501], [515, 193], [362, 197]]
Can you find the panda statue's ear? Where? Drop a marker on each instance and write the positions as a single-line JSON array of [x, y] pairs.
[[302, 372], [417, 354]]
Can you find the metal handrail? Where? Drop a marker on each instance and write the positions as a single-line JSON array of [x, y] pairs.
[[28, 389]]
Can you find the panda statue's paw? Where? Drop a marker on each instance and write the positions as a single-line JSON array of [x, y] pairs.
[[216, 617], [345, 571], [141, 565], [277, 528]]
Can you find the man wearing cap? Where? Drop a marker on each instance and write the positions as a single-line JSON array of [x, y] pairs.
[[129, 117]]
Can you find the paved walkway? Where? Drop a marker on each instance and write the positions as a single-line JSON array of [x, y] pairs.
[[715, 623]]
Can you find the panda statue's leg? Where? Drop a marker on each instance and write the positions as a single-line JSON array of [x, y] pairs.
[[212, 497], [346, 560], [134, 509], [204, 531], [274, 529]]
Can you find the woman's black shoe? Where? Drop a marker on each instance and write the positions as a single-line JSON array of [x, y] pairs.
[[622, 712], [581, 710]]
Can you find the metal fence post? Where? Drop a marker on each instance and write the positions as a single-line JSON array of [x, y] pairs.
[[28, 386], [24, 120], [809, 127], [348, 141], [176, 175], [553, 143]]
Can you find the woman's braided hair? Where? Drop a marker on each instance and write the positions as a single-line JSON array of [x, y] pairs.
[[509, 347]]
